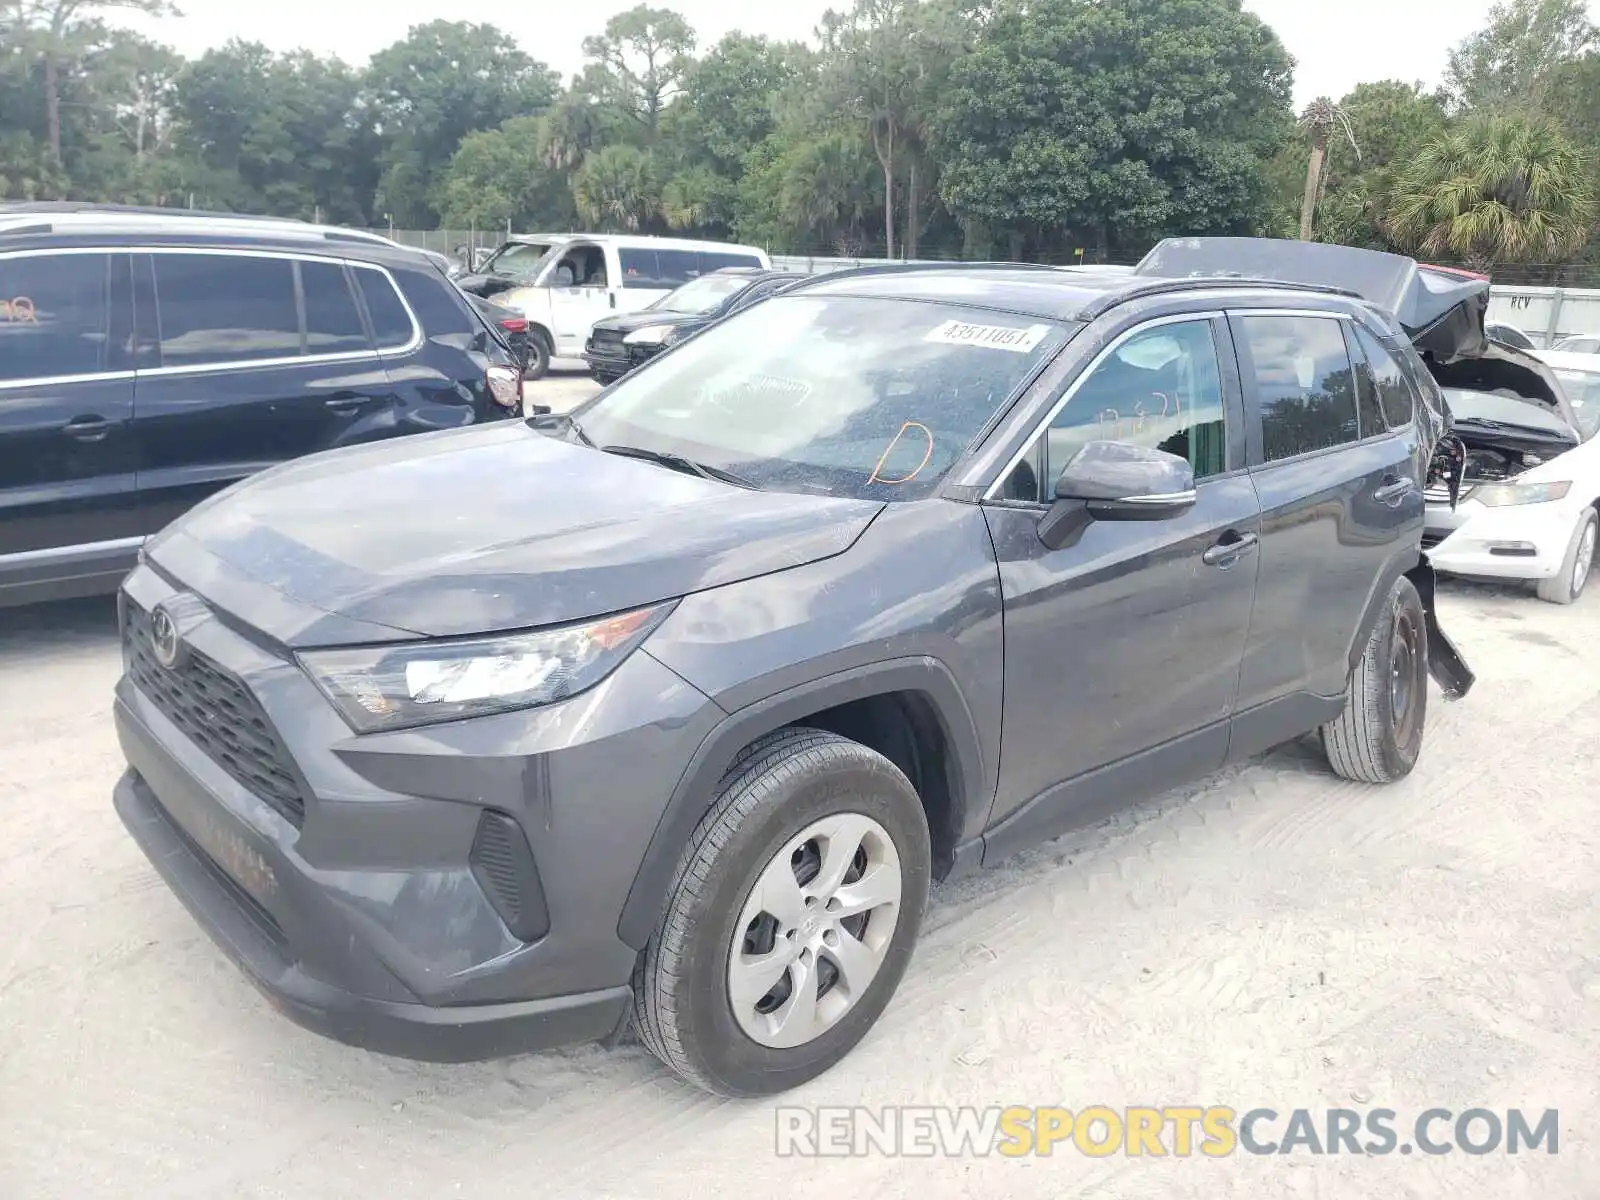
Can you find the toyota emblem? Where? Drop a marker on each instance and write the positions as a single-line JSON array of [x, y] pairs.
[[164, 637]]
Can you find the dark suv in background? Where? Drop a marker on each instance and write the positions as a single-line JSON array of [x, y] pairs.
[[151, 358]]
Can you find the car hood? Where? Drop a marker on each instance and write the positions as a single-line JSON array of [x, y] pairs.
[[628, 322], [481, 530]]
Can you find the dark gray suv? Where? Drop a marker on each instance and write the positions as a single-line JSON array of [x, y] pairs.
[[672, 708]]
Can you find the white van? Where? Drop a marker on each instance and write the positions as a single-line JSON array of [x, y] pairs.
[[584, 279]]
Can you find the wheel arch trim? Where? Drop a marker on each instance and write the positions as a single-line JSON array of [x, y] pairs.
[[695, 789]]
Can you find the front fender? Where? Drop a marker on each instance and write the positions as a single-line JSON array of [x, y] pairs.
[[697, 787]]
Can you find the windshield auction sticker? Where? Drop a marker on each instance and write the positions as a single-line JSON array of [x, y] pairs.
[[992, 337]]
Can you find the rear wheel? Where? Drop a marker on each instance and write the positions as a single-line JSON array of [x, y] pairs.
[[538, 355], [791, 919], [1567, 584], [1378, 737]]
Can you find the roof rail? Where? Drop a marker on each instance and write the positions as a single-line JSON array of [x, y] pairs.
[[74, 207], [1160, 287]]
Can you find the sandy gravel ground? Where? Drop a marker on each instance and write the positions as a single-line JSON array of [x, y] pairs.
[[1270, 937]]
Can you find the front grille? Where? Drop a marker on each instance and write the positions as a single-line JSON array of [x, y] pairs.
[[218, 714]]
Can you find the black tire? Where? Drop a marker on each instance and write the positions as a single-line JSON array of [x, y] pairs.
[[1568, 585], [772, 793], [539, 351], [1378, 737]]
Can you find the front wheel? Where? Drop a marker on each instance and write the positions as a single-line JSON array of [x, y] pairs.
[[1567, 584], [791, 919], [1378, 737]]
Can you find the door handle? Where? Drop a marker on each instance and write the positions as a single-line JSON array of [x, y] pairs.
[[1393, 493], [347, 404], [1230, 550], [87, 429], [612, 296]]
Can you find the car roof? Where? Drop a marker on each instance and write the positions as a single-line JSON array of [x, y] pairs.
[[1047, 293], [46, 225]]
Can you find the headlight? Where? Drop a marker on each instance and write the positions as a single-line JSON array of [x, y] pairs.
[[652, 335], [1498, 495], [421, 683]]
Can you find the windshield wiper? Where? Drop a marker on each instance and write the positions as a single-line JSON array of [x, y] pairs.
[[678, 462]]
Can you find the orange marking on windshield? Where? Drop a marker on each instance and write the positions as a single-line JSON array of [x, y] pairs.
[[19, 311], [888, 450]]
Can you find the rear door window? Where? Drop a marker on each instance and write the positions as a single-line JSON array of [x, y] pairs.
[[217, 308], [640, 268], [1304, 383], [678, 266], [333, 322], [54, 316]]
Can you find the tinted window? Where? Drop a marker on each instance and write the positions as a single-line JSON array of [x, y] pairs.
[[333, 322], [1304, 382], [678, 266], [715, 260], [52, 316], [1367, 411], [1160, 389], [1394, 393], [391, 324], [639, 268], [217, 309]]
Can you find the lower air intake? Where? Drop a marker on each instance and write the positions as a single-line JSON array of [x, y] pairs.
[[503, 865]]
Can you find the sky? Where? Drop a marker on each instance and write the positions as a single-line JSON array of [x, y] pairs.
[[1336, 43]]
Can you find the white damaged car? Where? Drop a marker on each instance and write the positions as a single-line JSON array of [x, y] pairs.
[[1530, 482]]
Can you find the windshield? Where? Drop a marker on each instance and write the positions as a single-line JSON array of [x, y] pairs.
[[844, 395], [1583, 393], [518, 261], [702, 295]]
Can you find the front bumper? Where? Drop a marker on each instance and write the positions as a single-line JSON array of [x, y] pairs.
[[615, 359], [369, 914], [1522, 541]]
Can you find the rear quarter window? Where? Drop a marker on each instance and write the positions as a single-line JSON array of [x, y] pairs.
[[428, 296], [715, 260]]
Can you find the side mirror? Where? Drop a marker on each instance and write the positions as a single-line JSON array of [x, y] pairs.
[[1116, 481]]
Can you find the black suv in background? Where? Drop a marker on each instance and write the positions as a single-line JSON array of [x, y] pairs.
[[149, 358], [880, 580], [619, 344]]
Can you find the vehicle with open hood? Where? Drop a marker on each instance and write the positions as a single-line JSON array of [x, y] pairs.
[[882, 579], [1526, 508]]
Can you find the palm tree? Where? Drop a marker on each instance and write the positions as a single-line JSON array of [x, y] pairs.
[[1322, 117], [1495, 190]]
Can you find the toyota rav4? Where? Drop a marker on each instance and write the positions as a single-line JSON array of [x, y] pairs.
[[671, 709]]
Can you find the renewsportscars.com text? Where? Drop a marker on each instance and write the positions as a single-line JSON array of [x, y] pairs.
[[1178, 1131]]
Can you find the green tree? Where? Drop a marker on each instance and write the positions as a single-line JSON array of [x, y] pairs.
[[1112, 124], [1508, 65], [1495, 190], [284, 135], [644, 54], [618, 188], [500, 176], [445, 80], [52, 32]]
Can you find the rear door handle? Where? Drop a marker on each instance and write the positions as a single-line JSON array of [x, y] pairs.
[[1230, 550], [87, 429], [1393, 493], [347, 404]]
